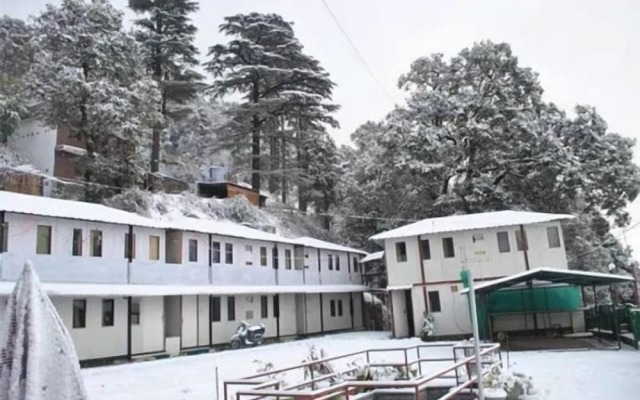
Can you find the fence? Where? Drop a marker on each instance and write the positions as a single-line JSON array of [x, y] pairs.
[[343, 383]]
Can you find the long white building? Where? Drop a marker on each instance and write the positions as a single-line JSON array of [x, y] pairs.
[[424, 260], [127, 286]]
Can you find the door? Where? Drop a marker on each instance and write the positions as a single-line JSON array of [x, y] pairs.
[[189, 332], [172, 324], [301, 314], [409, 304]]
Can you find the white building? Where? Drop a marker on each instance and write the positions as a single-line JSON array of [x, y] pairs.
[[424, 260], [126, 285]]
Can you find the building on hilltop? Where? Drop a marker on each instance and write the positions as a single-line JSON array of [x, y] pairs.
[[424, 260], [125, 285]]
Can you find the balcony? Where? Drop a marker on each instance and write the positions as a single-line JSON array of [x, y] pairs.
[[157, 273]]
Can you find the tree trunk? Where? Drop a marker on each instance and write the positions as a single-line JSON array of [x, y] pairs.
[[155, 150], [283, 159], [303, 165], [255, 154], [274, 163]]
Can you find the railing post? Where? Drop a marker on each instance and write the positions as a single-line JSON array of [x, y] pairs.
[[368, 362], [225, 390], [346, 395], [406, 362], [313, 384]]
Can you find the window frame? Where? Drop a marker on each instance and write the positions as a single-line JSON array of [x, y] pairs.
[[332, 308], [340, 309], [401, 252], [557, 243], [231, 308], [263, 256], [95, 237], [288, 264], [501, 244], [40, 230], [106, 313], [337, 262], [228, 253], [330, 257], [152, 239], [126, 246], [4, 237], [135, 314], [248, 254], [264, 307], [446, 247], [425, 248], [76, 243], [216, 309], [79, 321], [437, 301], [522, 243], [193, 250], [355, 264], [275, 257], [216, 252]]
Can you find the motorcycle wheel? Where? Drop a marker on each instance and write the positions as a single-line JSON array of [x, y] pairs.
[[235, 344]]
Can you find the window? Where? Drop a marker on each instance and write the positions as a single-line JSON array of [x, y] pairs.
[[355, 264], [43, 241], [107, 312], [447, 247], [477, 237], [339, 308], [337, 262], [287, 259], [135, 312], [332, 308], [127, 245], [426, 249], [330, 262], [215, 309], [154, 247], [553, 236], [79, 314], [264, 307], [76, 244], [96, 243], [401, 252], [248, 251], [215, 252], [521, 240], [434, 301], [276, 306], [4, 237], [503, 242], [231, 308], [228, 253], [193, 250], [263, 256], [274, 257]]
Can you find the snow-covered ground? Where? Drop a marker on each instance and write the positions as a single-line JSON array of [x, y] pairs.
[[559, 375]]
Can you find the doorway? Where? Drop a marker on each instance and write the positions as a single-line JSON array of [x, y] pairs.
[[173, 324], [409, 305]]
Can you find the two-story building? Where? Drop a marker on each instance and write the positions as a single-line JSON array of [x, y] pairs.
[[126, 285], [424, 260]]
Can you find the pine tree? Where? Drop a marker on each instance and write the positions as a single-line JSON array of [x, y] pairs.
[[16, 54], [264, 63], [166, 35], [88, 78]]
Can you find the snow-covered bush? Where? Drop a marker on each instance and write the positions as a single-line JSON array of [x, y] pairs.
[[428, 327], [515, 384], [262, 367], [317, 369]]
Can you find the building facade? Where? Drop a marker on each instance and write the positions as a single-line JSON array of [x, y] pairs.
[[126, 285], [424, 261]]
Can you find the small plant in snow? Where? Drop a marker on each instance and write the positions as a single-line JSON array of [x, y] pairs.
[[262, 366], [515, 384], [428, 328], [317, 369]]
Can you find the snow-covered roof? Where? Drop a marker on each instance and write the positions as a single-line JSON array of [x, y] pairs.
[[465, 222], [378, 255], [225, 228], [93, 289], [321, 244], [59, 208]]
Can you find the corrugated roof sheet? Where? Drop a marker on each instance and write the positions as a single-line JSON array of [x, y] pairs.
[[465, 222], [321, 244], [379, 255]]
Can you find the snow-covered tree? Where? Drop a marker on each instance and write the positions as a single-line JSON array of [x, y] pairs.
[[88, 77], [265, 64], [166, 34], [16, 53]]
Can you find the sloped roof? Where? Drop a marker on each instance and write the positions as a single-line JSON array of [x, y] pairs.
[[321, 244], [465, 222], [225, 228], [378, 255], [552, 276]]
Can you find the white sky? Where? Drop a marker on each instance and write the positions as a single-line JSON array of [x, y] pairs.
[[586, 52]]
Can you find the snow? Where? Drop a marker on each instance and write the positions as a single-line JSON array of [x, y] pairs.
[[456, 223], [101, 290], [225, 228], [38, 360], [321, 244], [379, 255], [559, 375]]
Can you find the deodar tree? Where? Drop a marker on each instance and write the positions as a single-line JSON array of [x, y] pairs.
[[166, 35], [285, 94], [88, 77]]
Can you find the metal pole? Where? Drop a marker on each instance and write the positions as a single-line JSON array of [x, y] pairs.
[[217, 388], [476, 335]]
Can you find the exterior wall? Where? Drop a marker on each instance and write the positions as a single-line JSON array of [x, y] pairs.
[[399, 314], [148, 335], [402, 273], [288, 305], [313, 313], [245, 306], [95, 341], [453, 318], [337, 322], [36, 143], [334, 276]]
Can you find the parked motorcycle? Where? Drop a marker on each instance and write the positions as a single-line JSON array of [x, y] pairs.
[[247, 335]]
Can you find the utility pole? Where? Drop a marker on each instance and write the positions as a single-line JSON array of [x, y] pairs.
[[467, 280]]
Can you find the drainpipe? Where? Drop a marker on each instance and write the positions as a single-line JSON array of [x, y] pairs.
[[351, 309], [210, 321], [319, 271], [1, 231], [349, 265], [129, 299], [422, 275], [321, 314], [276, 299], [210, 263]]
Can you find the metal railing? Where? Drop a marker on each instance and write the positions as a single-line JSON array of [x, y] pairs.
[[308, 390]]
